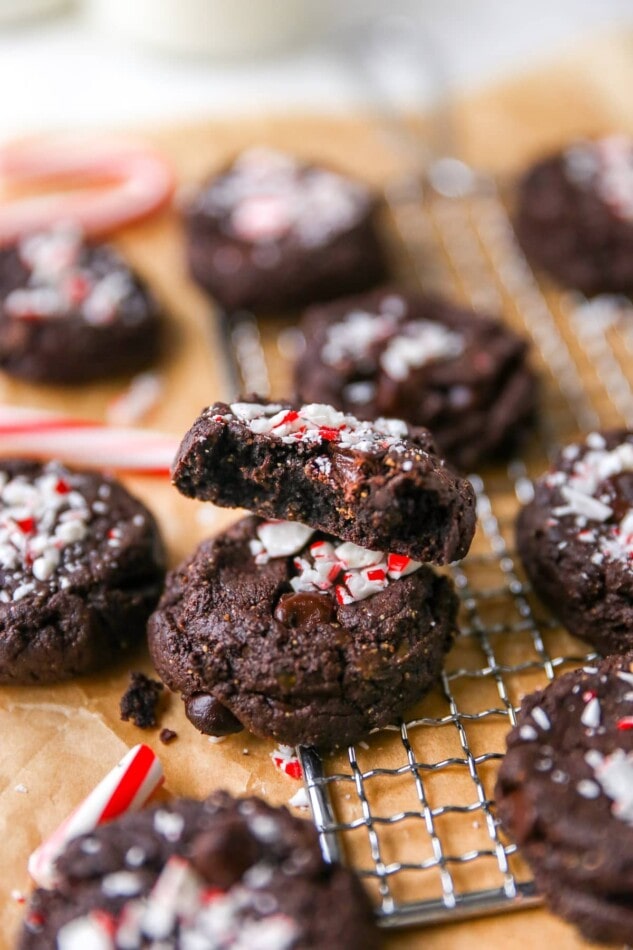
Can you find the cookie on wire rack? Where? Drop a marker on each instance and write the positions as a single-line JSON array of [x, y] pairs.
[[575, 215], [270, 232], [575, 539], [388, 353], [565, 795]]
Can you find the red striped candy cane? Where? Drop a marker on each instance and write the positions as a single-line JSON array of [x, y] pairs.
[[126, 788], [34, 433]]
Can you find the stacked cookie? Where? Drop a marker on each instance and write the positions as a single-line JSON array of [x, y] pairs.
[[320, 618]]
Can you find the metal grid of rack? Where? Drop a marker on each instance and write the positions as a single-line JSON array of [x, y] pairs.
[[412, 809]]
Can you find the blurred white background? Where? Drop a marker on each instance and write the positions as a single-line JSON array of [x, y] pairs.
[[76, 70]]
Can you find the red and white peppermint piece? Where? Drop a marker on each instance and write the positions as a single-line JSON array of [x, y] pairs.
[[353, 556], [285, 760], [126, 788], [365, 583], [282, 538], [399, 565]]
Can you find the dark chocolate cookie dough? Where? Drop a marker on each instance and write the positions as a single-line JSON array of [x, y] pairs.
[[379, 484], [299, 636], [270, 233], [81, 567], [219, 873], [565, 795], [463, 376], [575, 215], [72, 312], [576, 539]]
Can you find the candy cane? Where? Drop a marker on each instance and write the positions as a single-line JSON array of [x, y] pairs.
[[133, 181], [34, 433], [126, 788]]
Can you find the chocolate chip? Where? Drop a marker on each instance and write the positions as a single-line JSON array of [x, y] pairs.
[[210, 716]]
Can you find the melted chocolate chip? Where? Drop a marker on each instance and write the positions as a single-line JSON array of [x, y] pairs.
[[294, 610], [210, 716]]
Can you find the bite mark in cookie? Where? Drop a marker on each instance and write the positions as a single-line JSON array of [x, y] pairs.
[[379, 485]]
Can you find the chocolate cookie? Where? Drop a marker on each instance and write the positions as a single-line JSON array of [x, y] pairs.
[[299, 636], [72, 312], [576, 539], [81, 567], [378, 484], [575, 215], [565, 795], [271, 233], [215, 874], [463, 376]]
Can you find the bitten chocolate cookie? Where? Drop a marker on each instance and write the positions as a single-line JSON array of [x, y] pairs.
[[81, 567], [575, 215], [72, 312], [379, 484], [215, 874], [271, 233], [463, 376], [298, 636], [576, 539], [565, 795]]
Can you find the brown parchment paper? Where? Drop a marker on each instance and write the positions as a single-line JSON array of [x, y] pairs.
[[57, 742]]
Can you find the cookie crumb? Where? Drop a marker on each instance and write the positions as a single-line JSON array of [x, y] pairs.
[[167, 735], [140, 700]]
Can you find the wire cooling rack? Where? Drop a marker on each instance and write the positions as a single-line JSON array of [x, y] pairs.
[[411, 809]]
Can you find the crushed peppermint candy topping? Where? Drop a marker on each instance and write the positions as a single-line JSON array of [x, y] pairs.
[[607, 166], [41, 520], [404, 345], [351, 572], [614, 773], [586, 499], [266, 196], [62, 279], [183, 910], [285, 760], [317, 424]]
